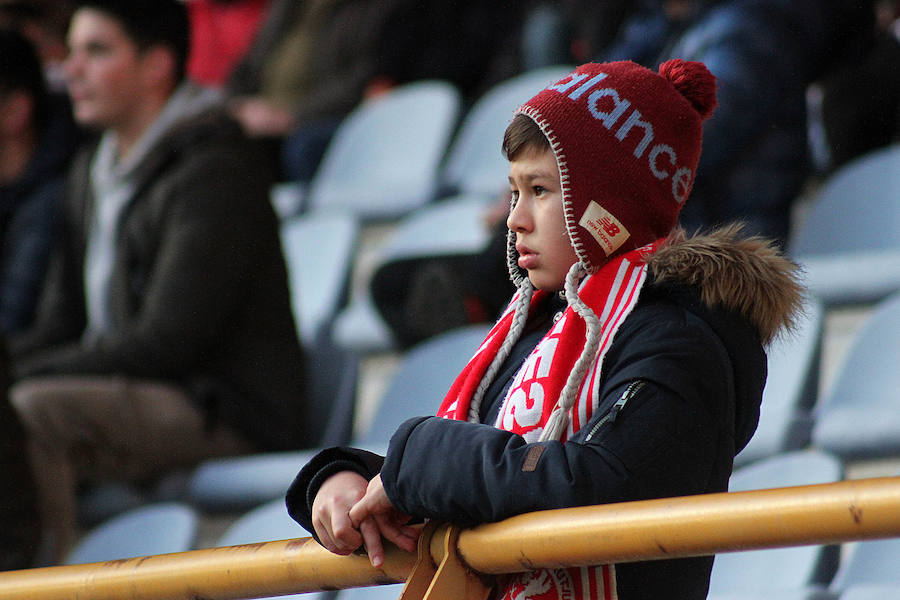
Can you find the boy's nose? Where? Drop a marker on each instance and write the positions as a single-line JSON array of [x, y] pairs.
[[518, 220]]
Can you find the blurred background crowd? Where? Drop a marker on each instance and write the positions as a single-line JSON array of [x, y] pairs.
[[135, 213]]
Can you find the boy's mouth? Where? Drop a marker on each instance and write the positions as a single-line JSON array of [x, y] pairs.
[[527, 257]]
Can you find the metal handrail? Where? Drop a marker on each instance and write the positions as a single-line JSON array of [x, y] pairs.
[[653, 529]]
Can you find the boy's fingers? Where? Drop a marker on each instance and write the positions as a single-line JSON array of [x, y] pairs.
[[359, 512], [372, 540], [325, 537], [346, 537], [403, 536]]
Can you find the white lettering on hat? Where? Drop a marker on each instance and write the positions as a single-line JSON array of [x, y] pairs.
[[562, 86], [635, 119], [681, 180], [587, 85], [654, 155], [605, 228], [608, 119], [681, 184]]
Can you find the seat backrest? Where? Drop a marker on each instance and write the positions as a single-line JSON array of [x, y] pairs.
[[791, 388], [870, 563], [452, 226], [474, 162], [857, 209], [858, 415], [421, 381], [888, 591], [265, 523], [151, 529], [869, 376], [779, 569], [383, 160], [333, 377], [319, 251]]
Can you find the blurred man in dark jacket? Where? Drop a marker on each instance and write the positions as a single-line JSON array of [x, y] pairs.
[[164, 334]]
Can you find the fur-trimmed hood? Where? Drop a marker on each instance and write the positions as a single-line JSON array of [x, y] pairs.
[[745, 275], [745, 290]]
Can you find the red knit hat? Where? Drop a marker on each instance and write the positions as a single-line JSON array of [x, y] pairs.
[[627, 141]]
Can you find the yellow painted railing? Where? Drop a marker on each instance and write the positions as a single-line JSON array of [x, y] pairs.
[[452, 563]]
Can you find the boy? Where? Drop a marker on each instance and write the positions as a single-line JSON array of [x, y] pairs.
[[643, 349]]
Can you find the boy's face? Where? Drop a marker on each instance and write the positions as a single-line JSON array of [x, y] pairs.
[[538, 220], [103, 71]]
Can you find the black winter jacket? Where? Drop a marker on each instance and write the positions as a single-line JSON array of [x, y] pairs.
[[686, 369]]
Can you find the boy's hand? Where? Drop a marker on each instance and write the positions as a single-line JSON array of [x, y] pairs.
[[375, 516], [330, 512]]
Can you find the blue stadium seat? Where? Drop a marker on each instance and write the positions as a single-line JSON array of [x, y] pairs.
[[859, 417], [791, 388], [147, 530], [384, 158], [849, 243]]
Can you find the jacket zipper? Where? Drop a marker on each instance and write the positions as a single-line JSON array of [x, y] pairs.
[[630, 392]]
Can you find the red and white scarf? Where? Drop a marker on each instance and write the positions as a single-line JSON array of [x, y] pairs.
[[585, 331]]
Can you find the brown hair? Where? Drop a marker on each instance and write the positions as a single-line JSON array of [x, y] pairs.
[[522, 135]]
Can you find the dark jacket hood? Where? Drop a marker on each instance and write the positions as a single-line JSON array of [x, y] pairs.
[[748, 293]]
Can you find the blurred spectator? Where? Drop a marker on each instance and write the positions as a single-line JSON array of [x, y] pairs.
[[860, 96], [311, 64], [571, 31], [221, 32], [37, 140], [45, 23], [764, 53], [164, 334]]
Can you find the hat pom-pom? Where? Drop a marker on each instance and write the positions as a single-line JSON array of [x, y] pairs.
[[693, 81]]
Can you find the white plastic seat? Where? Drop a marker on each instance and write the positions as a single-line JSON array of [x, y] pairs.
[[147, 530], [452, 226], [319, 252], [784, 570], [384, 158], [859, 417], [475, 164], [849, 243], [265, 523], [474, 172], [870, 566], [417, 387], [791, 388], [872, 591]]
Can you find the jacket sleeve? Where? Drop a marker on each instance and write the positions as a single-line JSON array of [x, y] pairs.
[[663, 442], [323, 465]]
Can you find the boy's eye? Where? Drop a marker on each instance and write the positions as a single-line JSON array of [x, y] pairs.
[[538, 190]]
